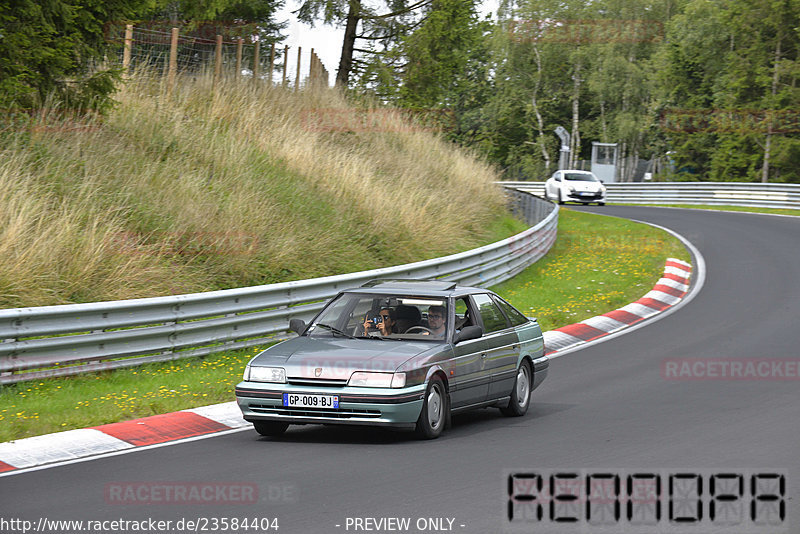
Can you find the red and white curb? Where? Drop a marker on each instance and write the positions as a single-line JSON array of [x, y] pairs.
[[667, 292], [114, 437], [75, 445]]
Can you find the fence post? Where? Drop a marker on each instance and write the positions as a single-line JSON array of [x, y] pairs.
[[239, 42], [126, 51], [285, 63], [218, 61], [173, 60], [256, 60], [271, 62], [311, 68], [297, 74]]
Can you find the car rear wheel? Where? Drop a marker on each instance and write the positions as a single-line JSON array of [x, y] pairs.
[[270, 428], [435, 410], [521, 394]]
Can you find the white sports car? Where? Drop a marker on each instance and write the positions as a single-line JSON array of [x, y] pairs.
[[575, 186]]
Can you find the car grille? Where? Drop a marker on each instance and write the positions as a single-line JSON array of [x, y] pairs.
[[342, 413], [316, 382], [586, 196]]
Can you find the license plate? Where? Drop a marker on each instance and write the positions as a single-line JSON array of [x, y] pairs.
[[305, 400]]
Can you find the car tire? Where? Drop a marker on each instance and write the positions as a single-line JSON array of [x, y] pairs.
[[521, 392], [435, 410], [601, 203], [270, 428], [560, 200]]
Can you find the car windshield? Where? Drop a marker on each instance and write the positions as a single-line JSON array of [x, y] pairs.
[[381, 316], [580, 177]]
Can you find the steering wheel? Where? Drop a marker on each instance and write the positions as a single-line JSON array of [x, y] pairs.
[[428, 330]]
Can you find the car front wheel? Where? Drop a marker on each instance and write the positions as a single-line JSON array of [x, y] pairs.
[[435, 410], [560, 200], [270, 428], [521, 394]]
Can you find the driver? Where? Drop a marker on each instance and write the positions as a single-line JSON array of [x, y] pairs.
[[437, 318]]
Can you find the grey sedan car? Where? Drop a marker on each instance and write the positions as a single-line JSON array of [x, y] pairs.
[[397, 353]]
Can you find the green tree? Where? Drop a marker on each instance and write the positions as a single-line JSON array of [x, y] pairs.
[[445, 57], [383, 27], [735, 64], [48, 46], [232, 16]]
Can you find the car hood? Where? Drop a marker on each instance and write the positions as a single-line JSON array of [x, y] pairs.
[[592, 187], [337, 358]]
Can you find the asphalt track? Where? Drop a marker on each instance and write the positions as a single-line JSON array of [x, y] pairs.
[[605, 408]]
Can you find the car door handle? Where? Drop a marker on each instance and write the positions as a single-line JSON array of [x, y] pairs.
[[483, 355]]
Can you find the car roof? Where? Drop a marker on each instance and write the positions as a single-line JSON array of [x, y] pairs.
[[433, 288]]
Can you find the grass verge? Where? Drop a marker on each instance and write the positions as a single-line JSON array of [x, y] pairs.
[[598, 264]]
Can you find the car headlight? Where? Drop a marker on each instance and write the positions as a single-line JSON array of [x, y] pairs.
[[377, 380], [253, 373], [571, 189]]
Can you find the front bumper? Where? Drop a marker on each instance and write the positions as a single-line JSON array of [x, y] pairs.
[[583, 196], [398, 408]]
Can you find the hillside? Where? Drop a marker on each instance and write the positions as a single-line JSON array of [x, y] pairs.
[[205, 190]]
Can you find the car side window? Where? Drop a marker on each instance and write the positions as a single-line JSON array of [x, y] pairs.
[[493, 318], [513, 314], [462, 314]]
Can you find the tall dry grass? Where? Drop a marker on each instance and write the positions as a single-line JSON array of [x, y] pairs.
[[205, 189]]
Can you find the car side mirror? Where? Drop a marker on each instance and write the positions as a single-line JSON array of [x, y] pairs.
[[469, 332], [297, 325]]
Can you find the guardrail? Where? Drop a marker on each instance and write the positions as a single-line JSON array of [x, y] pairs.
[[757, 195], [76, 338]]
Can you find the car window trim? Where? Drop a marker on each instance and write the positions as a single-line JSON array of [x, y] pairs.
[[497, 298]]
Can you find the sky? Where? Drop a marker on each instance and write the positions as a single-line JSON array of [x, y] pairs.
[[325, 40]]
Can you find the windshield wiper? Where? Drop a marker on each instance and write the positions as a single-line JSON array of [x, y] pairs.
[[334, 330]]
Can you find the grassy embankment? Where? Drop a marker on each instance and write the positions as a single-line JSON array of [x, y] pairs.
[[598, 264], [243, 186]]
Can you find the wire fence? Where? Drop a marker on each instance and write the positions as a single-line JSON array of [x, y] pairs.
[[165, 52]]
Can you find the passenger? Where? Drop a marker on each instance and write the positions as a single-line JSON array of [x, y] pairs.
[[386, 322], [437, 319]]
